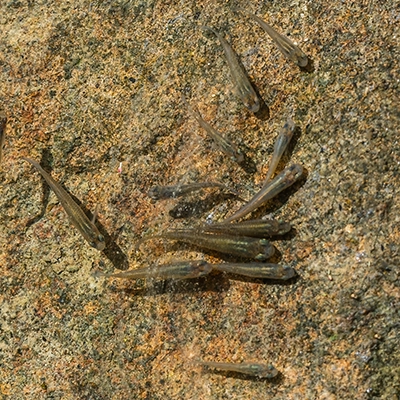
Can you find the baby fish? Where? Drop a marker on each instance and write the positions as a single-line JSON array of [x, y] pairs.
[[166, 192], [225, 145], [253, 369], [284, 137], [3, 122], [257, 270], [281, 182], [243, 86], [240, 246], [285, 45], [178, 270], [78, 218], [258, 228]]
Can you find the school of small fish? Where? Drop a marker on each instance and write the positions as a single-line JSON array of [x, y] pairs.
[[246, 239]]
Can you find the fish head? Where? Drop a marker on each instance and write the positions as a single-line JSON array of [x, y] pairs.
[[294, 172], [252, 103], [201, 268], [98, 242], [287, 272], [266, 249], [301, 59], [238, 156], [265, 371], [154, 192]]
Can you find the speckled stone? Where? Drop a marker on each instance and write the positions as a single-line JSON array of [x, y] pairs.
[[89, 86]]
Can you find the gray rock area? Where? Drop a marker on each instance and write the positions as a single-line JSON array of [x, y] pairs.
[[92, 90]]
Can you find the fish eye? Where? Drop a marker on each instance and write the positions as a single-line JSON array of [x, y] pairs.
[[254, 105], [98, 242], [154, 192], [303, 61]]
